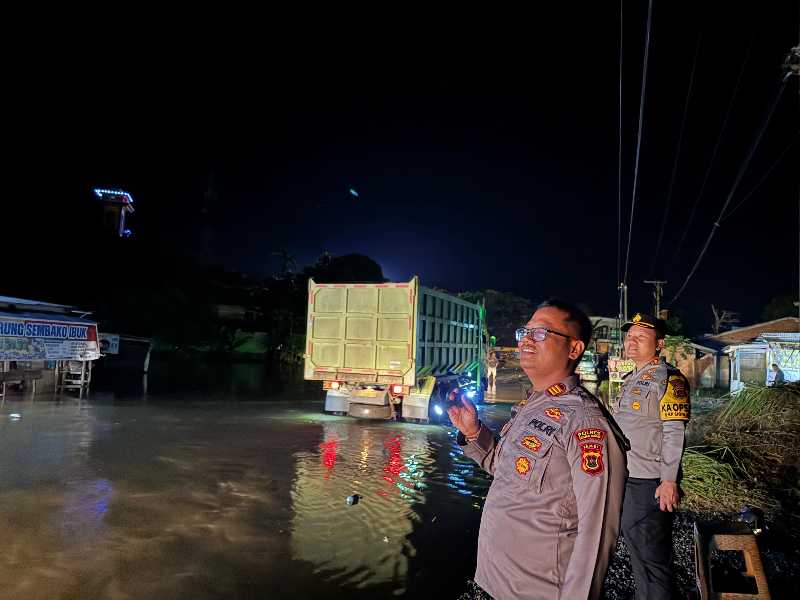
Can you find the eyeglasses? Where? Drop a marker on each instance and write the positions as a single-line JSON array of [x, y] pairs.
[[537, 334]]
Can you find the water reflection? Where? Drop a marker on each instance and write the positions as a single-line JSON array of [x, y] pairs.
[[364, 544], [85, 504], [395, 469], [221, 500]]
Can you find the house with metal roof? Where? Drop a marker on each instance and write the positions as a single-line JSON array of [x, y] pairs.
[[751, 362]]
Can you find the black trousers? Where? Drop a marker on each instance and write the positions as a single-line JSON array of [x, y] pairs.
[[648, 536]]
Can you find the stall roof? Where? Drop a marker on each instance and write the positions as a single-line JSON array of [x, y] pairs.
[[45, 317], [26, 302], [709, 345]]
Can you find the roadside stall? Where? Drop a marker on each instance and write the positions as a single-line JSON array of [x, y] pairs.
[[48, 349]]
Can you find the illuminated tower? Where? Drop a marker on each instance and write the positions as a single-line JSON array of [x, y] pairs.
[[116, 206]]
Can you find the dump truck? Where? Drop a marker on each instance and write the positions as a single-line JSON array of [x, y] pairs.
[[393, 350]]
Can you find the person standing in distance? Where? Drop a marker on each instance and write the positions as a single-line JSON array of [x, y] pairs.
[[491, 373], [653, 411]]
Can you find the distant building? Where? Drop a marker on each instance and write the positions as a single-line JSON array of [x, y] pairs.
[[751, 332], [604, 334], [701, 361], [753, 349], [751, 362]]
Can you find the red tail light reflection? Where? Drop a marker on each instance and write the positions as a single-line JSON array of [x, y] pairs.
[[394, 465], [329, 455]]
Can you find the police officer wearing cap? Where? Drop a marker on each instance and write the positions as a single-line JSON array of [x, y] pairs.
[[653, 411], [551, 517]]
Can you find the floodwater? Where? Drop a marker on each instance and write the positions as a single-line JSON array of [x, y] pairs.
[[232, 484]]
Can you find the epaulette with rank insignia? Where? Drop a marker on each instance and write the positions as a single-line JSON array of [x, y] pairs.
[[558, 389]]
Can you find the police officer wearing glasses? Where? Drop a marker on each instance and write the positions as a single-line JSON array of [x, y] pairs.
[[551, 517], [653, 411]]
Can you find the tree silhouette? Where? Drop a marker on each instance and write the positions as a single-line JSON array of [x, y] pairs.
[[722, 318], [288, 263], [350, 268]]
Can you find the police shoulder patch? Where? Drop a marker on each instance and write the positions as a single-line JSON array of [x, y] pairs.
[[558, 389], [675, 405], [592, 458]]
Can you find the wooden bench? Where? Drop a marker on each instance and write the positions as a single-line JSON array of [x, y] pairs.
[[708, 538], [23, 376]]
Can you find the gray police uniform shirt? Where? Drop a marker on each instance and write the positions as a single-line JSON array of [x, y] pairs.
[[653, 410], [551, 517]]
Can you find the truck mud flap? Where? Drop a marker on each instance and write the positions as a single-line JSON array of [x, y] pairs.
[[336, 403], [370, 411]]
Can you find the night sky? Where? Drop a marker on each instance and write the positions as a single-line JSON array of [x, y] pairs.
[[483, 155]]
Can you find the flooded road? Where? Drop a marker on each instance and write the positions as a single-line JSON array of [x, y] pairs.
[[184, 494]]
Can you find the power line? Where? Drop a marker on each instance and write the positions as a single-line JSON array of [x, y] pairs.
[[619, 159], [739, 176], [677, 159], [728, 112], [764, 177], [639, 135]]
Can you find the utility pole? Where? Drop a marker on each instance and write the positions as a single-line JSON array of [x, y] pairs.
[[791, 66], [623, 302], [657, 293], [622, 317]]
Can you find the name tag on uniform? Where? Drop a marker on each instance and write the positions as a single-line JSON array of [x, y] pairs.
[[545, 428]]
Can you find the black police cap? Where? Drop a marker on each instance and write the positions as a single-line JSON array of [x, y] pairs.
[[649, 321]]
